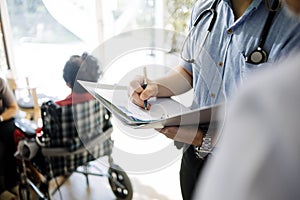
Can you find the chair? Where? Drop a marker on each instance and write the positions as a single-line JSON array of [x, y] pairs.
[[26, 97], [72, 136]]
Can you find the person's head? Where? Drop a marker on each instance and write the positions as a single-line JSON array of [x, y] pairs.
[[84, 67]]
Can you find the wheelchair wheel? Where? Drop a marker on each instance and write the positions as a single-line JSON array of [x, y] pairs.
[[120, 183]]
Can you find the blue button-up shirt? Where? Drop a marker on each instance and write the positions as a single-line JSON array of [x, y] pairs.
[[221, 68]]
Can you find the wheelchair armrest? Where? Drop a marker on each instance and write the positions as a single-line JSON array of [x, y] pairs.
[[26, 127]]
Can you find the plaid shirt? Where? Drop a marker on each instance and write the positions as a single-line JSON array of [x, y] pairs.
[[73, 125], [70, 134]]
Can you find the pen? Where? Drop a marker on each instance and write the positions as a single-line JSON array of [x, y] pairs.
[[144, 87]]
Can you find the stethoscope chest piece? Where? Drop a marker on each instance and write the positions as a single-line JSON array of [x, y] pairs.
[[258, 56]]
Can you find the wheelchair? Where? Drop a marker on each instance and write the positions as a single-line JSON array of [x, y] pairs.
[[71, 137]]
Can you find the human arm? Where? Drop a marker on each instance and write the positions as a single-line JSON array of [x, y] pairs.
[[10, 112], [175, 83], [194, 134], [186, 134], [9, 104]]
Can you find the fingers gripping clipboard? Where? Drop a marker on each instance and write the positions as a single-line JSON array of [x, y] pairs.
[[164, 111]]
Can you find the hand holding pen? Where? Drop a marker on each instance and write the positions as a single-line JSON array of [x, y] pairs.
[[141, 89]]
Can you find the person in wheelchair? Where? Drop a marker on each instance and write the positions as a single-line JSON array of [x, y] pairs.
[[77, 104], [8, 169], [75, 131], [84, 67]]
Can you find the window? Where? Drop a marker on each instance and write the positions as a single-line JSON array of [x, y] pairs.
[[45, 33], [3, 58]]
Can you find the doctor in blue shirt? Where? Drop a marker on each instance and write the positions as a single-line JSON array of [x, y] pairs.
[[261, 137], [229, 40]]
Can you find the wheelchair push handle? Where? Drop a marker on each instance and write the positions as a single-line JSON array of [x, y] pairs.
[[26, 127]]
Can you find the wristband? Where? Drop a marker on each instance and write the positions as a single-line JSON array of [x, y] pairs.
[[1, 118], [206, 146]]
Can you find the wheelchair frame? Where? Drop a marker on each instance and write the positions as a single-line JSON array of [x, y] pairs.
[[117, 177]]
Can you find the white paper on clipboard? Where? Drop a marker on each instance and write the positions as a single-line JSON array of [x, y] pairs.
[[163, 112]]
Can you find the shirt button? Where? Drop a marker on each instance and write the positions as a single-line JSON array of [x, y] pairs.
[[212, 95], [220, 64], [230, 31]]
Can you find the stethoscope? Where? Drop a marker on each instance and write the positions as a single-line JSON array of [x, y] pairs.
[[258, 56]]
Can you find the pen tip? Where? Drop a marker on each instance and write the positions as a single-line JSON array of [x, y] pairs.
[[146, 107]]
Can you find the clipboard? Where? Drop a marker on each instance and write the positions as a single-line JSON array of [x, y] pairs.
[[135, 117]]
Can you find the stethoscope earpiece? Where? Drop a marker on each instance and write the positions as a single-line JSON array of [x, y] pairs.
[[257, 56]]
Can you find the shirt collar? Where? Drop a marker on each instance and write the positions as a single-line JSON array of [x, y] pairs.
[[254, 4]]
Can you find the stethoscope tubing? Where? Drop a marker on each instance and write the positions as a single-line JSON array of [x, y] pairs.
[[213, 14]]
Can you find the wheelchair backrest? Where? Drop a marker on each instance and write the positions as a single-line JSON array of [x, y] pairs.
[[73, 125]]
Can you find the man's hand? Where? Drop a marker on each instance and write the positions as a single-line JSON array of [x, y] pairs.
[[137, 94], [187, 134]]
